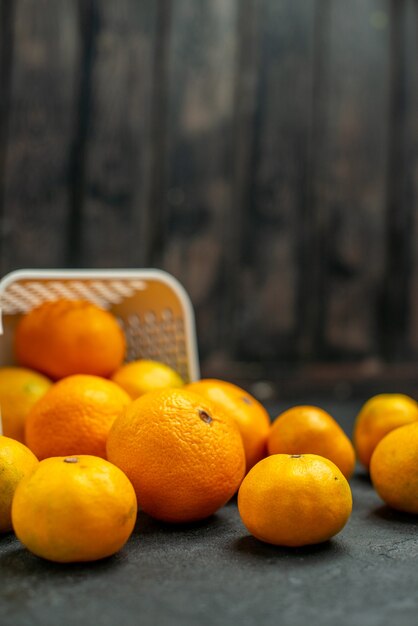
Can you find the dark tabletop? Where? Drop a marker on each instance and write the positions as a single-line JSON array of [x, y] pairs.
[[215, 573]]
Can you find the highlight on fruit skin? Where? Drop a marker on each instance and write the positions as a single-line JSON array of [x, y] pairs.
[[66, 337], [294, 500], [247, 412], [311, 430], [394, 468], [380, 415], [20, 389], [74, 509], [144, 375], [184, 458], [16, 463]]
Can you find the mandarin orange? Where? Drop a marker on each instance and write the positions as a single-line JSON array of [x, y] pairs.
[[74, 417], [184, 458], [67, 337], [16, 462], [379, 416], [78, 508], [141, 376], [294, 500], [394, 468], [249, 415], [311, 430]]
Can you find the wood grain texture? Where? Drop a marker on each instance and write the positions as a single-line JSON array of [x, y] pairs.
[[42, 101], [350, 179], [118, 147], [199, 172], [409, 191], [6, 62], [267, 311], [265, 152]]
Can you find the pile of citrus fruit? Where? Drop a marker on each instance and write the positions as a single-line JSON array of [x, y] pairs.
[[88, 439]]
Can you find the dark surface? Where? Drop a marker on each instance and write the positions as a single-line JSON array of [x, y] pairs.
[[215, 573], [263, 151]]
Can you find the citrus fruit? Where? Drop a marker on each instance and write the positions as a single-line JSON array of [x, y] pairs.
[[16, 462], [184, 458], [310, 430], [139, 377], [394, 468], [67, 337], [250, 416], [79, 508], [377, 418], [74, 417], [294, 500], [20, 388]]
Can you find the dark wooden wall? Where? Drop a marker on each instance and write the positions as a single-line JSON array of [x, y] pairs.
[[263, 151]]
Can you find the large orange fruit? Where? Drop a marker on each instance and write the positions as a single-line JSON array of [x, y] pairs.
[[141, 376], [20, 388], [16, 462], [78, 508], [249, 415], [310, 430], [74, 417], [394, 468], [184, 458], [377, 418], [294, 500], [70, 337]]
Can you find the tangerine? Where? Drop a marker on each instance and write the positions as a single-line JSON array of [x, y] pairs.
[[184, 458], [78, 508], [66, 337], [74, 417], [311, 430], [20, 388], [16, 462], [394, 468], [249, 415], [294, 500], [139, 377], [380, 415]]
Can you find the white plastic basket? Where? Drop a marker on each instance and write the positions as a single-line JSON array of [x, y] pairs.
[[151, 305]]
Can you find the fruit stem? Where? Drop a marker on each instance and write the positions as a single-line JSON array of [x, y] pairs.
[[204, 416]]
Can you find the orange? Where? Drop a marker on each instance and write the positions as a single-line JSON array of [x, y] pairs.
[[184, 458], [394, 468], [16, 462], [20, 388], [377, 418], [250, 416], [139, 377], [70, 337], [70, 509], [74, 417], [294, 500], [310, 430]]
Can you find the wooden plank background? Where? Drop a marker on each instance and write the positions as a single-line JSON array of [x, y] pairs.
[[263, 151]]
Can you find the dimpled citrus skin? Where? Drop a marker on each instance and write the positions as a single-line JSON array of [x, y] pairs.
[[16, 462], [380, 415], [294, 500], [184, 458], [67, 337], [394, 468], [249, 415], [74, 417], [20, 388], [310, 430], [73, 509], [142, 376]]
